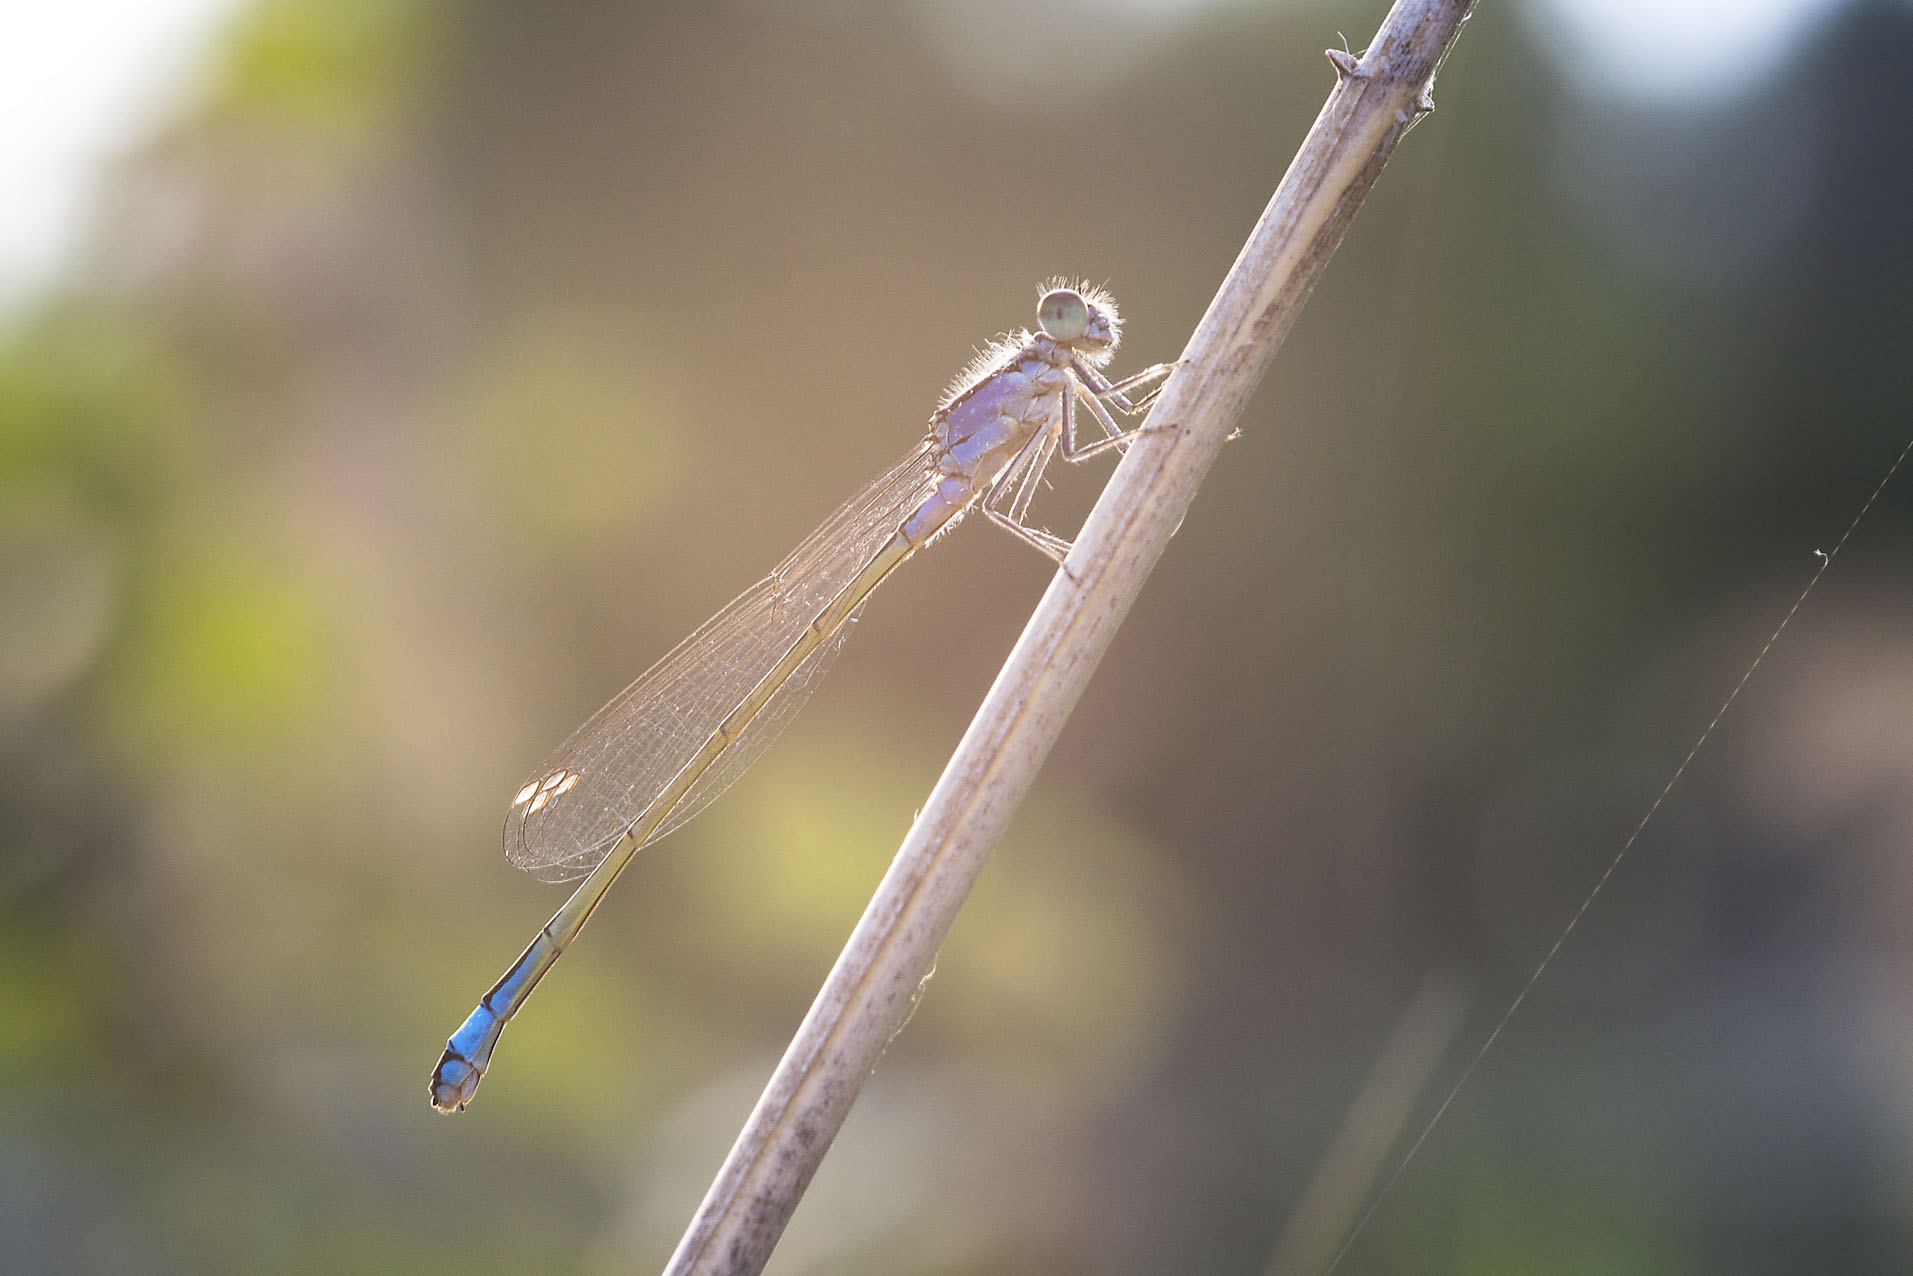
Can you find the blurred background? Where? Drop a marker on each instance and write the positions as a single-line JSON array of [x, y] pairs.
[[384, 383]]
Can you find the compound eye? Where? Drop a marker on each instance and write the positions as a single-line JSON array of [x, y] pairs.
[[1063, 314]]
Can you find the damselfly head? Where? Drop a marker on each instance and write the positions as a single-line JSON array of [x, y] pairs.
[[1079, 316]]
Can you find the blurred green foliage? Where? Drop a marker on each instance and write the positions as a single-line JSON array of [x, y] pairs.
[[349, 67]]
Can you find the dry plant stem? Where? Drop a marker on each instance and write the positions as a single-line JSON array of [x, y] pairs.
[[869, 992], [1333, 1199]]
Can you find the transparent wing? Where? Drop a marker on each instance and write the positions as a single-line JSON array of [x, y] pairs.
[[568, 816]]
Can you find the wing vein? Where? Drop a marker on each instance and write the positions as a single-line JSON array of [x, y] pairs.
[[598, 783]]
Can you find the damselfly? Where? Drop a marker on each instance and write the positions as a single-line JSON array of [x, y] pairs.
[[671, 741]]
